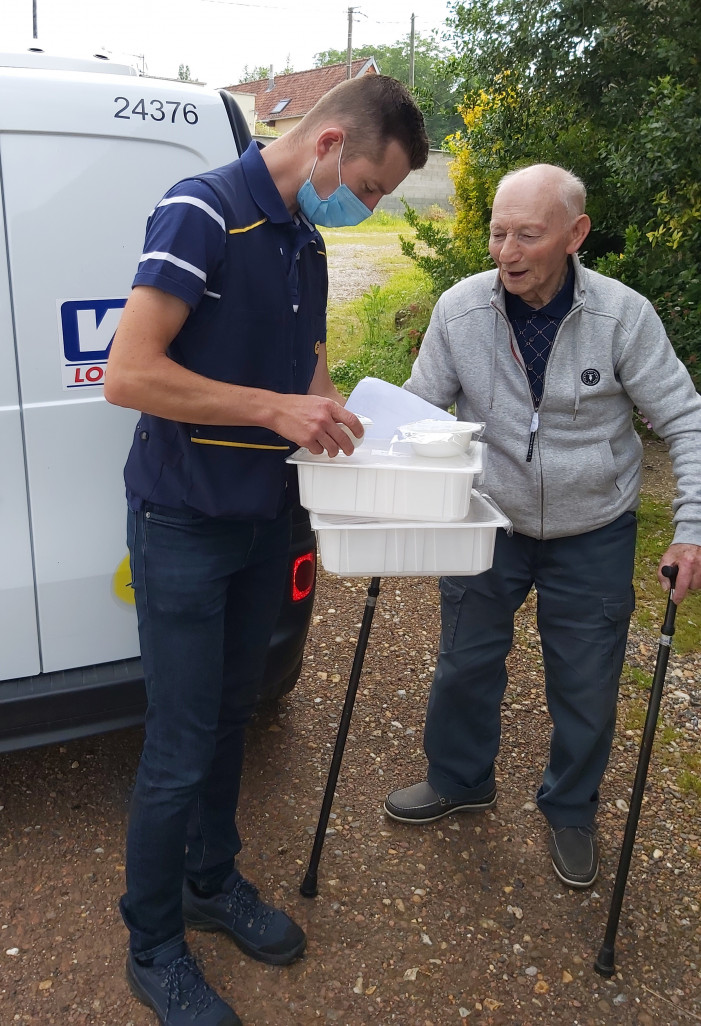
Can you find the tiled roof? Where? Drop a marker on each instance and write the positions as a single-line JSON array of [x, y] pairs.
[[301, 88]]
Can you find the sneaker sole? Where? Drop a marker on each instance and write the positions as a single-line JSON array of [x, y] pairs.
[[448, 812], [270, 958], [578, 885]]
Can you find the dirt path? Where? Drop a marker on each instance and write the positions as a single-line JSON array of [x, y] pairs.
[[355, 267]]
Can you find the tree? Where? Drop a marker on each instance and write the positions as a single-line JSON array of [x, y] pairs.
[[435, 88], [184, 73], [254, 74], [263, 71]]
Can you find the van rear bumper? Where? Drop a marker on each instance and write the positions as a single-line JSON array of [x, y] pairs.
[[69, 704]]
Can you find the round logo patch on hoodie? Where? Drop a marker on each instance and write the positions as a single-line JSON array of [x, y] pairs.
[[591, 376]]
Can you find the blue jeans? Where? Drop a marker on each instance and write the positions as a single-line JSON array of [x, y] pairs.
[[585, 600], [208, 593]]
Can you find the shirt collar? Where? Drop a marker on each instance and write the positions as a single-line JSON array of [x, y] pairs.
[[262, 187], [558, 306]]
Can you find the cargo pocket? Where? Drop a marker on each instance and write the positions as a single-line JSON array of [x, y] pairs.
[[617, 611], [621, 608]]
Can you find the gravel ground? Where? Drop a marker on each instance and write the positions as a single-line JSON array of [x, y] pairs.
[[426, 926], [462, 921], [355, 267]]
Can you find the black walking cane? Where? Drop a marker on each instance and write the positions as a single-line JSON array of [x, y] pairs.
[[604, 964], [309, 887]]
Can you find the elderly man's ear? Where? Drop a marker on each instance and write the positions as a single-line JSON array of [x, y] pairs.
[[578, 232]]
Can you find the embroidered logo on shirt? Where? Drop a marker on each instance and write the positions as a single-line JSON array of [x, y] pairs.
[[591, 376]]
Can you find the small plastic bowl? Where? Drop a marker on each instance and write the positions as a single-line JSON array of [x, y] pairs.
[[440, 438]]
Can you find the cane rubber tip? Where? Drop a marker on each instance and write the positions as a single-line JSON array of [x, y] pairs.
[[604, 964], [308, 888]]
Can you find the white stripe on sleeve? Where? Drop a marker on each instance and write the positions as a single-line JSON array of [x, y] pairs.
[[195, 202], [174, 260]]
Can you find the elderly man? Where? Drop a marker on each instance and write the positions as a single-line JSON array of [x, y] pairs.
[[553, 358]]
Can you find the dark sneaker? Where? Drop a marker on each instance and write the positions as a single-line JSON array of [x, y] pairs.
[[420, 804], [575, 854], [263, 932], [179, 994]]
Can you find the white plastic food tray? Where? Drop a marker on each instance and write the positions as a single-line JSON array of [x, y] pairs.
[[388, 482], [357, 548]]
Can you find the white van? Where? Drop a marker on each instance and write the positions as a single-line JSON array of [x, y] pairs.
[[87, 148]]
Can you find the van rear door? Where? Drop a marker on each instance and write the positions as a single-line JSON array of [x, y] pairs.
[[19, 651]]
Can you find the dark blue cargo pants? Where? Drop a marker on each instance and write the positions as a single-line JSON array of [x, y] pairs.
[[585, 600]]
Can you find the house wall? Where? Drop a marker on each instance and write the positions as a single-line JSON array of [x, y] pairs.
[[284, 124], [422, 189], [247, 103]]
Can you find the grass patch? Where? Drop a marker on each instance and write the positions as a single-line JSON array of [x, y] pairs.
[[634, 718], [689, 783], [655, 530], [381, 221], [640, 679], [378, 334]]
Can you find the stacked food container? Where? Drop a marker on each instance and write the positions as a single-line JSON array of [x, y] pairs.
[[404, 506]]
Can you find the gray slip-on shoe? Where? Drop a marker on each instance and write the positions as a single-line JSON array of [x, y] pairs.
[[419, 803]]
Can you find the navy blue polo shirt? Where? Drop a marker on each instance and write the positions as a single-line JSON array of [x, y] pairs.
[[186, 235], [535, 331], [256, 279]]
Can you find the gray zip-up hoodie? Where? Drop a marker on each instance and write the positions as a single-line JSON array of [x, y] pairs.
[[610, 354]]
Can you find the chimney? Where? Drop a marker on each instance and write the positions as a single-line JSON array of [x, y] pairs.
[[271, 79]]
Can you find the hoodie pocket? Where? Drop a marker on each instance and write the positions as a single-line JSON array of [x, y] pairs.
[[579, 484]]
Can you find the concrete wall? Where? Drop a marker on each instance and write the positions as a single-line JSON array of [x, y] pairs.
[[422, 189], [430, 186]]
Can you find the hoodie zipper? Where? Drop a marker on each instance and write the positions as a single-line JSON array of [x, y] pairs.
[[535, 419]]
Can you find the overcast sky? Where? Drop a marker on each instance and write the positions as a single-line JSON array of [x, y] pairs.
[[215, 38]]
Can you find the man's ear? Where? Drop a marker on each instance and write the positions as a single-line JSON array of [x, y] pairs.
[[327, 140], [578, 232]]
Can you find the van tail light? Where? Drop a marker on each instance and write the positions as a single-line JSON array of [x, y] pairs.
[[303, 573]]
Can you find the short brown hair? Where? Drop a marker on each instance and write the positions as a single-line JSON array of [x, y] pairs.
[[378, 108]]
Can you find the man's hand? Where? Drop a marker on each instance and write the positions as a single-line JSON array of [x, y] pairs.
[[312, 421], [688, 559]]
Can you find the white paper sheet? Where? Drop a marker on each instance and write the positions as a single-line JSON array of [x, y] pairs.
[[389, 406]]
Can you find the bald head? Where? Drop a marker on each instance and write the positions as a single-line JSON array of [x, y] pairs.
[[538, 222], [550, 181]]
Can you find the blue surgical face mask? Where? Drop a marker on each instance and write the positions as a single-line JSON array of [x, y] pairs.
[[341, 210]]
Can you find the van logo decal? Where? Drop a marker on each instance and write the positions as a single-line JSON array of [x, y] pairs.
[[86, 328]]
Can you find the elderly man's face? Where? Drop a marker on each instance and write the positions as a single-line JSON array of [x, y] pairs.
[[530, 238]]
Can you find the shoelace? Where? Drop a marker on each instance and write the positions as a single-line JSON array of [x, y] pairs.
[[243, 900], [193, 992]]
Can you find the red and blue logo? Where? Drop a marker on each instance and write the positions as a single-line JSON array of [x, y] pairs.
[[87, 327]]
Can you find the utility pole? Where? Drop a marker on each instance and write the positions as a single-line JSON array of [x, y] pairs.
[[34, 19], [411, 53], [349, 53]]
